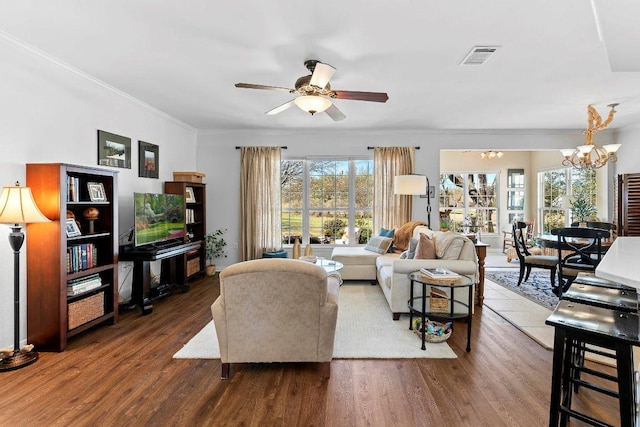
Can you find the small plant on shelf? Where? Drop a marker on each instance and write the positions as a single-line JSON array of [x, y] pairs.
[[215, 244]]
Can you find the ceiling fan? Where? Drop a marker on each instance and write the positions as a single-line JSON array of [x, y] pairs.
[[316, 93]]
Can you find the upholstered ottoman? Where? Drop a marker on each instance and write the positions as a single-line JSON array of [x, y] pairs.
[[359, 263]]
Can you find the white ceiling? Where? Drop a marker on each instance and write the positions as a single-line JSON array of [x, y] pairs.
[[183, 57]]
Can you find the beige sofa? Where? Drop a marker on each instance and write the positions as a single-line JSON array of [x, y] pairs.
[[391, 272], [276, 310]]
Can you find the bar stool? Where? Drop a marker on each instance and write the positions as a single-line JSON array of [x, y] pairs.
[[603, 293], [615, 330]]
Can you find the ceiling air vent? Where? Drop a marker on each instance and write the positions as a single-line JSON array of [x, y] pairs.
[[478, 55]]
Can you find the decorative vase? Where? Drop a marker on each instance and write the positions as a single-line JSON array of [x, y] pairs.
[[210, 270], [295, 254], [308, 251], [91, 214]]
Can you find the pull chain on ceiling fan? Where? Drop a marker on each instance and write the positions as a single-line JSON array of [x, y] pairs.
[[316, 93]]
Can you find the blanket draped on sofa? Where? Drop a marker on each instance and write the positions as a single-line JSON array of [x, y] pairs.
[[403, 235]]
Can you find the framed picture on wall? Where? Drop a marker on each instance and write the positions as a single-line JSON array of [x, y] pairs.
[[114, 150], [148, 160]]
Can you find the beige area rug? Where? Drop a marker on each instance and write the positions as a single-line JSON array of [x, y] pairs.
[[365, 330]]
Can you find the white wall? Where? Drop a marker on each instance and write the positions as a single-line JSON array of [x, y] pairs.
[[218, 158], [51, 113], [629, 153]]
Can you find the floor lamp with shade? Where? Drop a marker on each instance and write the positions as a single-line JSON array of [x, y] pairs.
[[18, 207], [414, 185]]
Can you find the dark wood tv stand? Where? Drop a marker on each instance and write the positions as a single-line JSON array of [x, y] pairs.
[[171, 276]]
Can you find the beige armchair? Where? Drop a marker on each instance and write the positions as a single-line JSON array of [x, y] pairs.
[[276, 310]]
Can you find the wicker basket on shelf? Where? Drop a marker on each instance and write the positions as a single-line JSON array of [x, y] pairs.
[[438, 300]]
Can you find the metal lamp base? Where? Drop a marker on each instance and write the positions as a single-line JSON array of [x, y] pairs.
[[20, 359]]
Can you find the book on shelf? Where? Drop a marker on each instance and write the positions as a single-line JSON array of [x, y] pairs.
[[190, 216], [439, 273], [81, 257], [73, 189], [83, 284]]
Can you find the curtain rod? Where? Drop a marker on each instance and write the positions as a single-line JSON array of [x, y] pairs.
[[239, 147], [373, 148]]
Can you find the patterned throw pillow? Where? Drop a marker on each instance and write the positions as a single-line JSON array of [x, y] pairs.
[[379, 244], [388, 233]]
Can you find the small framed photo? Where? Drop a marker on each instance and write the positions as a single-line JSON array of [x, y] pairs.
[[191, 197], [96, 192], [148, 160], [114, 150], [72, 228]]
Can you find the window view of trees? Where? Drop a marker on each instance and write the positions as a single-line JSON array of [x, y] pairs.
[[468, 202], [324, 200], [557, 186]]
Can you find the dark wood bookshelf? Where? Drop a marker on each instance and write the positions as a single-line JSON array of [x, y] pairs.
[[195, 224], [49, 310]]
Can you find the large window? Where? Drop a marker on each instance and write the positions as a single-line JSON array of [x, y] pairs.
[[327, 201], [557, 187], [468, 202]]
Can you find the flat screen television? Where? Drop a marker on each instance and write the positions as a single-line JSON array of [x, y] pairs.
[[159, 218]]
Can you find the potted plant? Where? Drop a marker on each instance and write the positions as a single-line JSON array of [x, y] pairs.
[[215, 244], [582, 210]]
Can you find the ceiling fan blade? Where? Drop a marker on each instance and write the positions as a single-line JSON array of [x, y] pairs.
[[280, 108], [322, 74], [334, 113], [362, 96], [252, 86]]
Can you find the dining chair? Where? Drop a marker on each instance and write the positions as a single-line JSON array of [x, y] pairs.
[[507, 235], [585, 251], [528, 260]]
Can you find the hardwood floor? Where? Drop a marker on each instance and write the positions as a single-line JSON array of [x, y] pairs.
[[124, 375]]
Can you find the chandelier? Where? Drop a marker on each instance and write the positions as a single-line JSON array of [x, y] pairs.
[[491, 154], [590, 156]]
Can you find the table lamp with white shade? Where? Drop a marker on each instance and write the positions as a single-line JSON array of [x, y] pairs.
[[17, 207]]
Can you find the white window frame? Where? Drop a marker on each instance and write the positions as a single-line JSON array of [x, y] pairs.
[[565, 205], [351, 209], [466, 208]]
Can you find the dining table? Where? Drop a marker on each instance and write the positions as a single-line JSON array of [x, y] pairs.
[[550, 241]]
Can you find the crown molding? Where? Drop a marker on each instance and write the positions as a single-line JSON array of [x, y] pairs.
[[391, 132], [70, 68]]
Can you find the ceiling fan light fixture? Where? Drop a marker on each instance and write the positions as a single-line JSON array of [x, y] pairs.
[[312, 103]]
